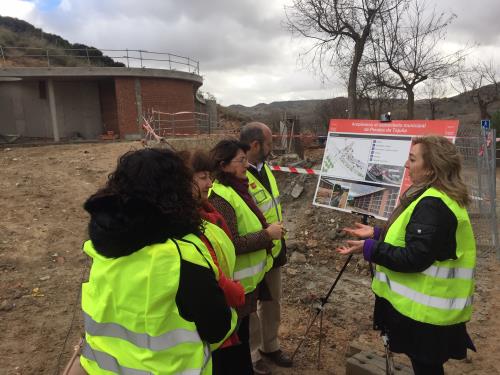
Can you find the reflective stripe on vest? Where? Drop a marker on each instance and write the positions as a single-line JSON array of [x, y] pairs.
[[108, 362], [423, 299], [142, 340], [449, 273], [250, 267], [442, 294], [269, 205], [250, 271]]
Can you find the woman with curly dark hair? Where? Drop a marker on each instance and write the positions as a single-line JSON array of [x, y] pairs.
[[152, 303]]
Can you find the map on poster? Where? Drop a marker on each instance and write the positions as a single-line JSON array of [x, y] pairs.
[[363, 167]]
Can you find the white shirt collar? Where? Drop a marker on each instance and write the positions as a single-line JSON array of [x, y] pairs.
[[258, 166]]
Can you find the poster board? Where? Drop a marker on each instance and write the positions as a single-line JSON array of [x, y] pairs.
[[363, 164]]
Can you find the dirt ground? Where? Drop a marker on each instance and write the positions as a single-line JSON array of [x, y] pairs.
[[42, 227]]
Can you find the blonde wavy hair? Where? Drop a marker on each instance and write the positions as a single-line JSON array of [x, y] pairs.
[[441, 157]]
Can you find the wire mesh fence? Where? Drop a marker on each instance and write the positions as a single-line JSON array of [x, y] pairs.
[[159, 126], [478, 149], [180, 123]]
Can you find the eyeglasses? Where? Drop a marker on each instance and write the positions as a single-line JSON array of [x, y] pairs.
[[242, 160]]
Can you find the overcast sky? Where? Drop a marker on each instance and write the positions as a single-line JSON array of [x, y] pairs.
[[246, 56]]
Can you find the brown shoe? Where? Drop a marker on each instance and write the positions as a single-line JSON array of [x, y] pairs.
[[279, 358], [261, 368]]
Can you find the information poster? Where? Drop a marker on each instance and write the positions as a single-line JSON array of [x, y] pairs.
[[363, 167]]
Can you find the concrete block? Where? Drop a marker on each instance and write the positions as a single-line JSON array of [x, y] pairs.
[[354, 347], [368, 363]]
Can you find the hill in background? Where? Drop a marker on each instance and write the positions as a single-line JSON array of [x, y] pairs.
[[314, 114], [19, 39]]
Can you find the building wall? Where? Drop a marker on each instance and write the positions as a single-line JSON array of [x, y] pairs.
[[126, 108], [78, 109], [167, 95], [109, 112], [384, 201], [136, 95], [24, 108], [91, 107]]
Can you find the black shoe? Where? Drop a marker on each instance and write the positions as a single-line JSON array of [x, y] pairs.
[[261, 368], [278, 358]]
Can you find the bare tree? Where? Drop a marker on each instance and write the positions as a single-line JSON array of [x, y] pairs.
[[328, 109], [338, 27], [375, 96], [433, 91], [406, 45], [481, 83]]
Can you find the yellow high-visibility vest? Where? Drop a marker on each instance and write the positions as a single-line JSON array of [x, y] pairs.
[[267, 201], [226, 257], [441, 294], [250, 268], [132, 322]]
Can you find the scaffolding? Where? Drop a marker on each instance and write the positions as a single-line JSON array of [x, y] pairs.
[[478, 149], [288, 140]]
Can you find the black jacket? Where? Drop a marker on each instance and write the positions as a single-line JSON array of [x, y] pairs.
[[120, 228], [430, 236]]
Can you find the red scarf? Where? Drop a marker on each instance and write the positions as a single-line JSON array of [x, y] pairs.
[[210, 214], [241, 187]]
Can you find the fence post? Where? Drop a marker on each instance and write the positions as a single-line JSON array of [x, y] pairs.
[[189, 65], [169, 62], [493, 169], [3, 56], [209, 124], [128, 65], [173, 125], [140, 56], [88, 57], [48, 59], [197, 122]]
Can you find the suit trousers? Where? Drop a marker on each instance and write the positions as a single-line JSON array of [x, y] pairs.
[[265, 322]]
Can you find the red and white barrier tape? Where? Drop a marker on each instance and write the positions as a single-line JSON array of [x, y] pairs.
[[168, 134], [294, 170]]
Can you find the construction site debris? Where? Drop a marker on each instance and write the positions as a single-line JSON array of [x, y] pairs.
[[297, 190], [37, 292], [297, 257], [6, 306]]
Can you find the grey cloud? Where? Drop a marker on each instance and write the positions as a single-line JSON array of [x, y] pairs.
[[245, 55], [221, 34], [476, 22]]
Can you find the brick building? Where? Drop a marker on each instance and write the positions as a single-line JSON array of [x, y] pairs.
[[85, 102], [380, 202]]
